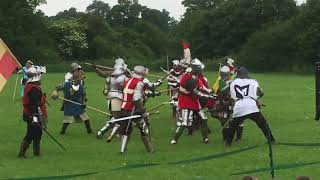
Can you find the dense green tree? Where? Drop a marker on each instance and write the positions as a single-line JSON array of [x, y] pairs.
[[217, 32], [286, 45], [70, 37], [99, 8], [25, 31], [71, 13], [125, 13]]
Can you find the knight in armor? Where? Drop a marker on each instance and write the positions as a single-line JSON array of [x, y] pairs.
[[114, 91], [191, 89], [74, 67], [173, 85], [133, 104], [204, 100], [245, 92], [34, 111], [222, 108], [183, 66], [186, 52], [73, 90], [149, 91]]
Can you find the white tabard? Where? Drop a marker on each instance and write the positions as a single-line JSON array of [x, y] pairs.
[[244, 92]]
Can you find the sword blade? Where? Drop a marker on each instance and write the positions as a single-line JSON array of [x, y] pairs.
[[125, 118]]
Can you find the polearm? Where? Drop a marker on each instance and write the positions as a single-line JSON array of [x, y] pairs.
[[167, 62], [15, 88], [89, 107], [168, 73], [104, 67]]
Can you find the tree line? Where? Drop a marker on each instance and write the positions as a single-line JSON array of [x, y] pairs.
[[265, 35]]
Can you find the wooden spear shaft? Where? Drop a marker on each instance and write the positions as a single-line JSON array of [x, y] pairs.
[[15, 88], [89, 107]]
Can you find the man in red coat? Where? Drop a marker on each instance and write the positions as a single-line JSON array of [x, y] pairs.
[[191, 89], [34, 111]]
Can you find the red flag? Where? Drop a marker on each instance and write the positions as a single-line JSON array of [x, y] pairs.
[[8, 63]]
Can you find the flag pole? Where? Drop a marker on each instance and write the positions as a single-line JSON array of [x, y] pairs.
[[11, 53], [15, 88]]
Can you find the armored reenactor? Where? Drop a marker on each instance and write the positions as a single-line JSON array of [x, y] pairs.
[[204, 100], [222, 108], [25, 77], [186, 52], [74, 67], [133, 104], [173, 85], [188, 102], [114, 91], [74, 91], [245, 92], [34, 111]]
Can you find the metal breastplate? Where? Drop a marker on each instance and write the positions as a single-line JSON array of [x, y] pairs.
[[115, 86]]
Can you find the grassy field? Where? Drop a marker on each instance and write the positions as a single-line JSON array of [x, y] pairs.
[[289, 110]]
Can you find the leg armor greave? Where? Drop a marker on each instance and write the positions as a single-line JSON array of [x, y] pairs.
[[113, 132], [186, 117], [204, 125], [124, 143], [147, 143], [105, 128]]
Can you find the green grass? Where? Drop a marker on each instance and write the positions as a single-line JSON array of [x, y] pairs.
[[290, 111]]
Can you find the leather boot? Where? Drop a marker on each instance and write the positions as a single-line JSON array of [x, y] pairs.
[[64, 128], [88, 126], [239, 133], [36, 147], [147, 143], [23, 149]]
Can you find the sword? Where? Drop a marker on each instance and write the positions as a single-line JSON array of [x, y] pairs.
[[54, 139], [125, 118], [139, 116]]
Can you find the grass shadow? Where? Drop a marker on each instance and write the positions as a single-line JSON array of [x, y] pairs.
[[299, 144], [54, 177], [279, 167], [210, 157]]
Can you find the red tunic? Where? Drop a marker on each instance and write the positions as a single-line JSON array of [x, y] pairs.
[[26, 102], [187, 101], [203, 81], [232, 70], [129, 87]]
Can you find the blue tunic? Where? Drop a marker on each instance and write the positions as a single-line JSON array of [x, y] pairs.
[[71, 109]]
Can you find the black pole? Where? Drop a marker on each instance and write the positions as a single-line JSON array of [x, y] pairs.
[[54, 139], [317, 87], [270, 153]]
